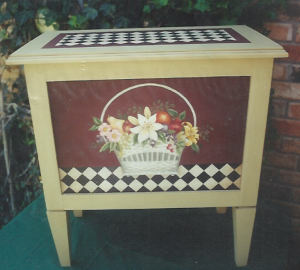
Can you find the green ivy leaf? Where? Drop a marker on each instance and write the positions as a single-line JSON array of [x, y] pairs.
[[147, 9], [161, 136], [173, 113], [182, 115], [90, 13], [105, 147], [94, 128], [97, 121], [202, 5], [195, 147]]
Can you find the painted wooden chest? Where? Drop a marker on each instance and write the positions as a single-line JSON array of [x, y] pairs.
[[150, 118]]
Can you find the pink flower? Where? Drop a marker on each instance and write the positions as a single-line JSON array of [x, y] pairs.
[[104, 129], [114, 135], [170, 147]]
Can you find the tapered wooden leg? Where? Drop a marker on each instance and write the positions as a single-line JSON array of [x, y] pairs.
[[243, 221], [58, 221], [221, 210], [77, 213]]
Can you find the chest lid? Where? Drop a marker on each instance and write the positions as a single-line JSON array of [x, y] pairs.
[[125, 44]]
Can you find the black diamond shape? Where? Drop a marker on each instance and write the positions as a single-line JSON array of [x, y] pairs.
[[68, 180], [127, 179], [188, 177], [143, 189], [173, 178], [188, 167], [233, 176], [113, 190], [82, 180], [203, 187], [172, 188], [187, 188], [157, 189], [232, 187], [97, 179], [218, 187], [112, 179], [98, 190], [219, 166], [142, 178], [81, 169], [128, 189], [83, 190], [69, 190], [157, 179], [203, 177], [218, 176]]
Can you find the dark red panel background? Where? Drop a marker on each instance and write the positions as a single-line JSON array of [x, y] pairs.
[[220, 102]]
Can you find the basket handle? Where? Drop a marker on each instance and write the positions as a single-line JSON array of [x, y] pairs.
[[149, 84]]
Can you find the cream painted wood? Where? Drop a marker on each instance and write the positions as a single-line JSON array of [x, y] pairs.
[[221, 210], [259, 46], [58, 221], [243, 221], [78, 213]]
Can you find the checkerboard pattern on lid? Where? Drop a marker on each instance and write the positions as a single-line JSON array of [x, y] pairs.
[[189, 178], [158, 37]]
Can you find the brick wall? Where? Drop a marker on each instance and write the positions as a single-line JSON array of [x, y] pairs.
[[280, 181]]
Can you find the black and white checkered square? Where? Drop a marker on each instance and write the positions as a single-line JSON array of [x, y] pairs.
[[189, 178], [159, 37]]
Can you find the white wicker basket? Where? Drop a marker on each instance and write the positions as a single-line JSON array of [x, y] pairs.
[[138, 159]]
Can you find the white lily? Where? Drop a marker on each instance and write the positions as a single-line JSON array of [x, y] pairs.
[[147, 126]]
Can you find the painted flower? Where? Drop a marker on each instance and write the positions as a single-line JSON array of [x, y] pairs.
[[146, 126], [116, 123], [114, 135], [191, 133], [171, 147], [104, 129]]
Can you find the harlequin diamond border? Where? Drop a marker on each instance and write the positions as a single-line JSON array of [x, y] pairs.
[[146, 37], [189, 178]]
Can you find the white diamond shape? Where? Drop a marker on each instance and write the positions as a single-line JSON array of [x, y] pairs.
[[180, 184], [90, 186], [210, 183], [225, 183], [104, 173], [136, 185], [120, 185], [196, 170], [238, 183], [63, 187], [150, 185], [165, 185], [61, 173], [239, 169], [182, 171], [74, 173], [118, 172], [89, 173], [105, 186], [76, 186], [195, 184], [211, 170], [226, 169]]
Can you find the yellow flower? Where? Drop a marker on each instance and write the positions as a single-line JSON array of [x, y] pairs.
[[191, 133], [116, 123]]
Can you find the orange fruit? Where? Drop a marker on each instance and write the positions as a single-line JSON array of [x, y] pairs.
[[163, 118]]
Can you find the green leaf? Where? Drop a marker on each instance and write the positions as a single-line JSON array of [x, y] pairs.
[[105, 147], [161, 136], [173, 113], [135, 139], [182, 115], [202, 5], [112, 146], [94, 127], [195, 147], [147, 9], [90, 13], [97, 121]]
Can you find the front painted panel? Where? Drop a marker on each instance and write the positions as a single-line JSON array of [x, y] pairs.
[[157, 149]]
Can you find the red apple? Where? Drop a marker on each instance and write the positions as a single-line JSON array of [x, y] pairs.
[[127, 126], [176, 126], [163, 118]]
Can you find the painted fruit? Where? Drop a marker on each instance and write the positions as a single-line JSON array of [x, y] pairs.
[[163, 118], [127, 126], [176, 126]]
